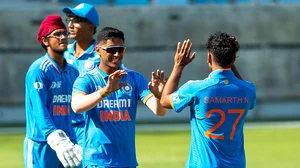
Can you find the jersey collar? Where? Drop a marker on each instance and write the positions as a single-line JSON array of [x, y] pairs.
[[54, 64], [219, 73]]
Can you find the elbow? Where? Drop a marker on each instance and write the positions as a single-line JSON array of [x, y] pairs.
[[161, 114], [164, 103], [76, 109], [161, 111]]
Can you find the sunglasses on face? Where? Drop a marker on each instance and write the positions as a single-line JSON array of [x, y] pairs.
[[113, 49], [59, 34]]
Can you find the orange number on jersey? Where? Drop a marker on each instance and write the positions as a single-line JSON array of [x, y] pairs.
[[209, 134], [241, 112]]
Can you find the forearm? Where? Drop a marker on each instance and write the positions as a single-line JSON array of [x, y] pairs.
[[236, 72], [159, 110], [173, 81], [155, 106], [81, 103], [171, 86]]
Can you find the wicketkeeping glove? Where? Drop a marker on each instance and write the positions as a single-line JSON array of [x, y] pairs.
[[69, 154]]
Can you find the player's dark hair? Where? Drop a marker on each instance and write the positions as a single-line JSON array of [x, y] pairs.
[[223, 47], [44, 47], [108, 33]]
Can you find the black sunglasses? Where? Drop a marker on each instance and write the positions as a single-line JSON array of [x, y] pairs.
[[113, 49]]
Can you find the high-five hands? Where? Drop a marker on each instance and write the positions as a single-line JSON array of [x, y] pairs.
[[182, 56], [113, 82], [157, 83]]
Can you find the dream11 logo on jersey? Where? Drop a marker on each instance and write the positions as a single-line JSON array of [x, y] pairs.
[[122, 114], [61, 110]]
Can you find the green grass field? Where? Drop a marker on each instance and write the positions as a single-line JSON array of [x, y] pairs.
[[265, 148]]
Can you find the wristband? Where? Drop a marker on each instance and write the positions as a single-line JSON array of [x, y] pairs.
[[103, 93]]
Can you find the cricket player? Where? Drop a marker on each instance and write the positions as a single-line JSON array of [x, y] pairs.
[[83, 21], [48, 84], [218, 104], [109, 94]]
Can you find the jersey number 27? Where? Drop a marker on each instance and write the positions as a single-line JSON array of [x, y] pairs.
[[209, 134]]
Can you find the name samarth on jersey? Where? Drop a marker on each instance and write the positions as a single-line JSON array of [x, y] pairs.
[[116, 109]]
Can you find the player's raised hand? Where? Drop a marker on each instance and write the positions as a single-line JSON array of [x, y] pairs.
[[182, 57], [113, 82], [157, 83]]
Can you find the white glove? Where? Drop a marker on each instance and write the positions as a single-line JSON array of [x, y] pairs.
[[70, 155]]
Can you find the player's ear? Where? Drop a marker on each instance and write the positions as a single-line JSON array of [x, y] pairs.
[[98, 51], [92, 28], [209, 59], [45, 41]]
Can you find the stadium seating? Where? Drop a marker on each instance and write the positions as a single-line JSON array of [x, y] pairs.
[[94, 2], [174, 2], [204, 2], [130, 2], [170, 2], [288, 2], [242, 1], [263, 1]]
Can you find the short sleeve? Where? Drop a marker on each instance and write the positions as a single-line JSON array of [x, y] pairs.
[[254, 99], [253, 105], [142, 87], [81, 85], [182, 98]]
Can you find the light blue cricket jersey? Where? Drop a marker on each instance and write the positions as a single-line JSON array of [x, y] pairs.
[[110, 126], [88, 61], [47, 98], [218, 105]]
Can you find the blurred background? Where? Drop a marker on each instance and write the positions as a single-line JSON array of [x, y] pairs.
[[268, 33]]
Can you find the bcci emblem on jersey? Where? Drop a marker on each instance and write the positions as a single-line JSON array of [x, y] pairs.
[[56, 84], [127, 89], [88, 65]]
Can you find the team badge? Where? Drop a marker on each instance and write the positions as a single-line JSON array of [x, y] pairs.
[[38, 85], [127, 88], [89, 65]]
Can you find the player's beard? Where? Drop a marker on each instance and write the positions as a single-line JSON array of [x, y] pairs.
[[59, 50]]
